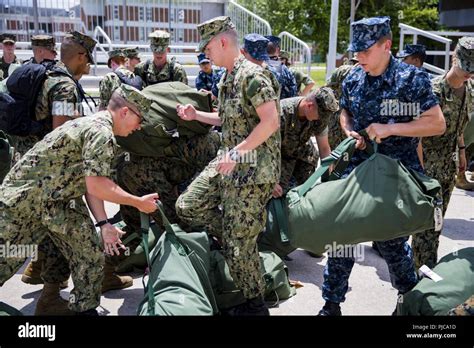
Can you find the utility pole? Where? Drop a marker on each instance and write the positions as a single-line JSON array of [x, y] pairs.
[[35, 16], [331, 60]]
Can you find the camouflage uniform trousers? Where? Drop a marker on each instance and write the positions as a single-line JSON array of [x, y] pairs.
[[236, 215], [465, 309], [54, 267], [425, 244], [305, 165], [71, 231], [398, 256], [144, 175]]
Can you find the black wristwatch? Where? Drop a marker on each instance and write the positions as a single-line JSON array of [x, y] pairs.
[[102, 223]]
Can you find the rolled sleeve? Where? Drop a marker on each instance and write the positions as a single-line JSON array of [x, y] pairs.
[[64, 99], [260, 90], [422, 92]]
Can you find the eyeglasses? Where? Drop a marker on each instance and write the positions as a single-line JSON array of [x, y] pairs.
[[139, 117]]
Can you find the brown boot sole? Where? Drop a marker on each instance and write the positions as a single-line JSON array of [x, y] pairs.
[[123, 286], [36, 281]]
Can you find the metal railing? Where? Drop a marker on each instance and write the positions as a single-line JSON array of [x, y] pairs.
[[247, 22], [409, 30], [300, 53]]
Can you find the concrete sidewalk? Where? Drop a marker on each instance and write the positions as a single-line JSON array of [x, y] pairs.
[[370, 291]]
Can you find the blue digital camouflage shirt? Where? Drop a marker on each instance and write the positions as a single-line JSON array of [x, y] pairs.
[[216, 77], [285, 77], [204, 81], [400, 94]]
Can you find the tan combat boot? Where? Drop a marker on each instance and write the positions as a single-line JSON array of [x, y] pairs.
[[51, 303], [32, 272], [113, 281], [462, 183]]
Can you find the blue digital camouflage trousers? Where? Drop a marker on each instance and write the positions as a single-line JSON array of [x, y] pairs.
[[396, 252]]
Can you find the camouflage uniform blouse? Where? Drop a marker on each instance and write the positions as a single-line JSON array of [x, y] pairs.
[[153, 75]]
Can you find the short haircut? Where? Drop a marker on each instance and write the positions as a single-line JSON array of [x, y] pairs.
[[69, 49], [272, 49], [385, 38], [420, 56], [230, 34], [117, 102], [119, 60]]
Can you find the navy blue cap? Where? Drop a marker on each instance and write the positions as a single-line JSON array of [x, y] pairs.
[[274, 39], [256, 46], [202, 59], [367, 31], [412, 49]]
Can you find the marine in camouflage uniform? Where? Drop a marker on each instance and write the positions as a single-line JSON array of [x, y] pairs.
[[170, 71], [7, 39], [111, 81], [363, 97], [440, 153], [42, 197], [336, 136], [299, 158], [245, 192], [43, 49], [59, 96]]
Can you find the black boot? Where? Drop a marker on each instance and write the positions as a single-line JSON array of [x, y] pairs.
[[90, 312], [330, 309], [253, 307], [376, 248]]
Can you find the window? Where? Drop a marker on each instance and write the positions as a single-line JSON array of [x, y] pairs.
[[141, 14], [149, 14], [116, 33], [116, 12]]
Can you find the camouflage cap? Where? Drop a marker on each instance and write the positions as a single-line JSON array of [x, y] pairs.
[[114, 54], [208, 29], [465, 54], [131, 52], [274, 39], [327, 103], [367, 31], [85, 41], [134, 97], [46, 41], [8, 38], [284, 54], [256, 46], [412, 49], [159, 41]]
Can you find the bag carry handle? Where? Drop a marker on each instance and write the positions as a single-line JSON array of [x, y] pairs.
[[346, 147], [145, 226], [281, 220]]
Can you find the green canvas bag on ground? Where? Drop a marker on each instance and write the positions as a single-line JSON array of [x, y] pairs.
[[275, 274], [178, 275], [7, 310], [379, 200], [162, 124], [437, 298]]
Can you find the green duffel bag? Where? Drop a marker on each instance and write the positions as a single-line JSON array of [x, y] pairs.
[[275, 238], [469, 133], [135, 258], [379, 200], [275, 274], [437, 298], [162, 124], [178, 273], [6, 155], [7, 310]]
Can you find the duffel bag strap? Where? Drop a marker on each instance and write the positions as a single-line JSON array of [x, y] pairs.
[[281, 219], [145, 226], [337, 155]]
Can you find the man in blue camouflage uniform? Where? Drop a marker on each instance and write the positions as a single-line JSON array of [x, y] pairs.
[[215, 80], [413, 54], [378, 80], [285, 77], [204, 78]]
